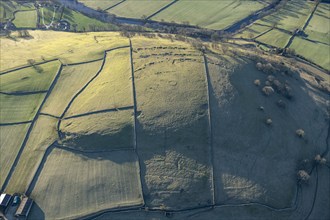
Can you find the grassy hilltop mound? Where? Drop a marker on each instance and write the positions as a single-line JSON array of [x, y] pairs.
[[111, 123]]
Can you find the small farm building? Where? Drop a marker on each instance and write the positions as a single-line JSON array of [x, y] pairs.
[[4, 201], [24, 208]]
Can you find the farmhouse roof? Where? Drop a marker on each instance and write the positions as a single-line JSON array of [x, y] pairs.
[[25, 207], [4, 199]]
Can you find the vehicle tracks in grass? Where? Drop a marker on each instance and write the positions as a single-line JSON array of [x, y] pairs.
[[84, 87], [12, 169]]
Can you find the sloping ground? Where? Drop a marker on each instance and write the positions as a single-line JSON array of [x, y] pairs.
[[111, 89], [255, 161], [237, 164], [41, 137], [74, 184], [316, 52], [138, 8], [172, 131], [30, 79], [70, 81], [7, 9], [99, 132], [209, 14], [85, 23], [25, 19], [19, 108], [68, 47], [11, 140]]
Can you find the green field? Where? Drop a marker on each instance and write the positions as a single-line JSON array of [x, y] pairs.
[[85, 23], [275, 38], [68, 47], [99, 4], [7, 9], [208, 14], [86, 183], [99, 132], [20, 108], [29, 79], [47, 14], [26, 19], [138, 8], [11, 141], [173, 127], [244, 166], [71, 80], [43, 135], [316, 52], [196, 146], [291, 17], [111, 89], [318, 28], [252, 31]]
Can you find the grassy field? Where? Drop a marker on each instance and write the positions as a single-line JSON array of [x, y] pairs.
[[7, 9], [173, 128], [318, 28], [68, 47], [85, 23], [11, 141], [26, 19], [19, 108], [29, 79], [253, 31], [275, 38], [252, 161], [244, 166], [71, 80], [316, 52], [48, 13], [292, 16], [43, 134], [138, 8], [111, 89], [209, 14], [99, 132], [99, 4], [86, 183]]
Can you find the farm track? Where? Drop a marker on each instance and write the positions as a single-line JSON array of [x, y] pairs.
[[30, 129], [208, 85], [135, 118], [84, 87], [162, 9], [43, 18], [99, 112], [23, 93]]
